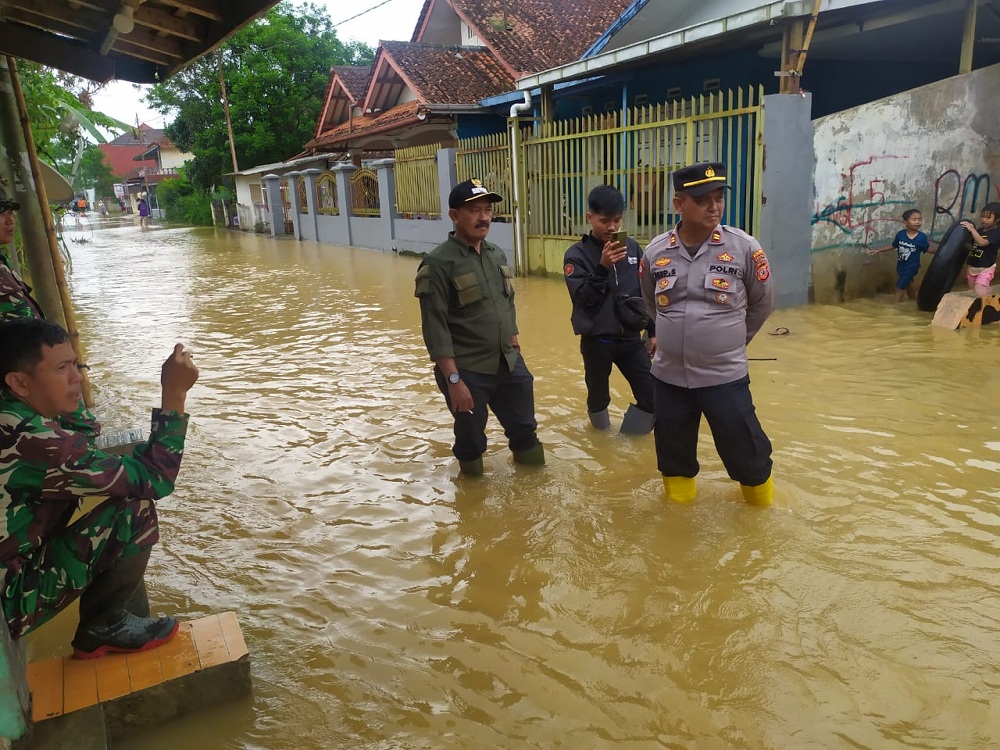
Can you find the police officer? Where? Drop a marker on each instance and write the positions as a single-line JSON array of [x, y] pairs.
[[601, 273], [710, 289], [469, 327], [15, 296]]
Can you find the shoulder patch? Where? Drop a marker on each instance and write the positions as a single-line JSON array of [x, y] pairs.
[[568, 269], [423, 281]]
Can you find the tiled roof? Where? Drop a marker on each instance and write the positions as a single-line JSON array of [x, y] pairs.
[[146, 135], [449, 75], [539, 34], [365, 126], [354, 79]]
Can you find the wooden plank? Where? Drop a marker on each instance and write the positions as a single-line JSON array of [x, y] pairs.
[[80, 684], [209, 641], [144, 669], [179, 656], [112, 677], [45, 680], [233, 635]]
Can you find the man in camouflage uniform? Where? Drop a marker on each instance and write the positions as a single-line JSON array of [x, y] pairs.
[[709, 290], [16, 302], [15, 296], [46, 470]]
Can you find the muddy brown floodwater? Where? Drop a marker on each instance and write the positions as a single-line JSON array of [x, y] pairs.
[[390, 603]]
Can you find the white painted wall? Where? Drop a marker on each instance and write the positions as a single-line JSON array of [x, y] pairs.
[[173, 158], [935, 148]]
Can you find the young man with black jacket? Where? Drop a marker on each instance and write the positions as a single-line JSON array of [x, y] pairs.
[[602, 275]]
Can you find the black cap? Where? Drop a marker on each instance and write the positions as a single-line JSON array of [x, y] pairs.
[[471, 190], [6, 204], [699, 179]]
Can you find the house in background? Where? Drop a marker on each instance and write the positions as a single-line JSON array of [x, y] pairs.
[[140, 159], [120, 153], [463, 53], [159, 161]]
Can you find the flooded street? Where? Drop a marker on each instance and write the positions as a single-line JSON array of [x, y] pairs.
[[390, 603]]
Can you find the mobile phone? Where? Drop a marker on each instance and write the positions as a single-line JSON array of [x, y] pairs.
[[619, 237]]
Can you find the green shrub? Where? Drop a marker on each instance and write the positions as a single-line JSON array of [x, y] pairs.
[[183, 203]]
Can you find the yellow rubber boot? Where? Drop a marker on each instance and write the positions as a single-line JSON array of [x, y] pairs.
[[759, 494], [679, 489]]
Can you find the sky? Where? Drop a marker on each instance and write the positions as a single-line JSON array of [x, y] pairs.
[[388, 19]]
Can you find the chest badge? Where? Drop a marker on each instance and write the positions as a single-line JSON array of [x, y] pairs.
[[720, 283], [722, 298], [661, 262], [662, 300], [724, 257]]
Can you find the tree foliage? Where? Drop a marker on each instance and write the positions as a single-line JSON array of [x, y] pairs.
[[95, 172], [276, 70], [60, 109], [184, 203]]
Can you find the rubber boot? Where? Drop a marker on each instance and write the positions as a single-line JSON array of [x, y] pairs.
[[759, 494], [107, 626], [600, 419], [680, 489], [472, 468], [637, 421], [138, 601], [531, 457]]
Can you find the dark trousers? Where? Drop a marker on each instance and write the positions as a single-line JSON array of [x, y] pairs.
[[510, 394], [629, 355], [743, 447]]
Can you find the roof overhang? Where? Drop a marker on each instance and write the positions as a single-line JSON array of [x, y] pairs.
[[83, 38], [762, 27]]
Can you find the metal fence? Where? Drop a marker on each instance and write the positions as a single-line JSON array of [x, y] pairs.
[[417, 193], [488, 158], [326, 195], [364, 193], [635, 150]]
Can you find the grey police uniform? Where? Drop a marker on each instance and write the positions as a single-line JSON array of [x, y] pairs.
[[707, 308]]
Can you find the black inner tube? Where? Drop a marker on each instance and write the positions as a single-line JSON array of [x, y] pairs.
[[946, 265]]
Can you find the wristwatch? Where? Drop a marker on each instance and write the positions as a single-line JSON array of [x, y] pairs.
[[454, 378]]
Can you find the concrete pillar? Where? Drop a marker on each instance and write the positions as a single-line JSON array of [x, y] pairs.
[[296, 203], [386, 171], [276, 210], [447, 176], [342, 174], [785, 218], [13, 688], [311, 176]]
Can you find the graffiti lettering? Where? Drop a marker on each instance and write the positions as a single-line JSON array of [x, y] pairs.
[[955, 198]]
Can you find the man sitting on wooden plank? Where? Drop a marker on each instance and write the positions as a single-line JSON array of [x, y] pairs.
[[46, 469]]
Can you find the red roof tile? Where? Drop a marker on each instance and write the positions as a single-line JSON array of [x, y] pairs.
[[354, 79], [365, 126], [534, 35], [448, 75]]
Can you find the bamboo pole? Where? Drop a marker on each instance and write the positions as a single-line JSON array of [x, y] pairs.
[[50, 230]]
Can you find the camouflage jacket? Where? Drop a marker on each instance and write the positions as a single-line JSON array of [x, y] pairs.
[[15, 296], [46, 470]]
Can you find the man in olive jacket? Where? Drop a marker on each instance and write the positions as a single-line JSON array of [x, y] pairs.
[[470, 330]]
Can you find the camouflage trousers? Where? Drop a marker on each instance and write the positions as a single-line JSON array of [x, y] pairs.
[[41, 584]]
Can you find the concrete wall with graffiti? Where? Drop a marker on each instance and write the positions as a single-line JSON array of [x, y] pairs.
[[935, 148]]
